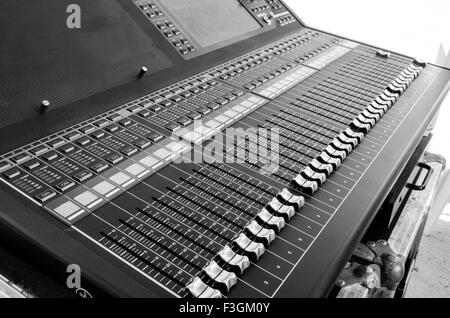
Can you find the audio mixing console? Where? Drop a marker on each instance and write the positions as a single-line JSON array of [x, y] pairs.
[[97, 180]]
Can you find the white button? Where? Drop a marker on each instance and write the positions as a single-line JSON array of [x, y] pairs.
[[67, 209], [212, 124], [246, 104], [135, 169], [103, 188], [86, 198], [222, 119], [177, 147], [192, 136], [254, 99], [149, 161], [120, 178], [230, 113], [239, 109], [162, 153]]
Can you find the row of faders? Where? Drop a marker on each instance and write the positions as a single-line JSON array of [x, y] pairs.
[[316, 174], [221, 274]]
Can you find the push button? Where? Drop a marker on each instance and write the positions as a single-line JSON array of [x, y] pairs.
[[50, 156], [21, 158], [12, 174], [238, 263], [83, 176], [4, 166], [45, 196], [38, 150], [115, 159], [56, 142], [65, 185], [99, 167], [32, 165]]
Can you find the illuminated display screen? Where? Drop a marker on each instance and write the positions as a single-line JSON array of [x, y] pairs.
[[211, 22]]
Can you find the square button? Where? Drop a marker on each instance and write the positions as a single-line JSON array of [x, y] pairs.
[[67, 209], [120, 178], [86, 198], [104, 188]]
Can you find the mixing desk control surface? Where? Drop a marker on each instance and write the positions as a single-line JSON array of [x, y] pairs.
[[345, 115]]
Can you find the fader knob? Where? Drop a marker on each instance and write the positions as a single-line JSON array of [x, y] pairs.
[[306, 186], [325, 158], [352, 134], [237, 263], [288, 198], [260, 234], [252, 249], [360, 126], [344, 139], [312, 175], [383, 54], [321, 167], [220, 277], [271, 221], [420, 63], [199, 289], [336, 153], [278, 208], [340, 146]]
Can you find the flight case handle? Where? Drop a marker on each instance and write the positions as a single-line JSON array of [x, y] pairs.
[[422, 166]]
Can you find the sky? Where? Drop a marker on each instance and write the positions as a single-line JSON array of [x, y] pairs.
[[416, 28]]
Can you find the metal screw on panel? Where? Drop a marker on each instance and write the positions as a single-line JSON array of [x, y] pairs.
[[341, 283], [142, 72], [45, 104]]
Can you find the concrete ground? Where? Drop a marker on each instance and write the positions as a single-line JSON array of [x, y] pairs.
[[431, 276]]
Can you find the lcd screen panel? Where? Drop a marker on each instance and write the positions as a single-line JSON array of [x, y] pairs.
[[212, 22]]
